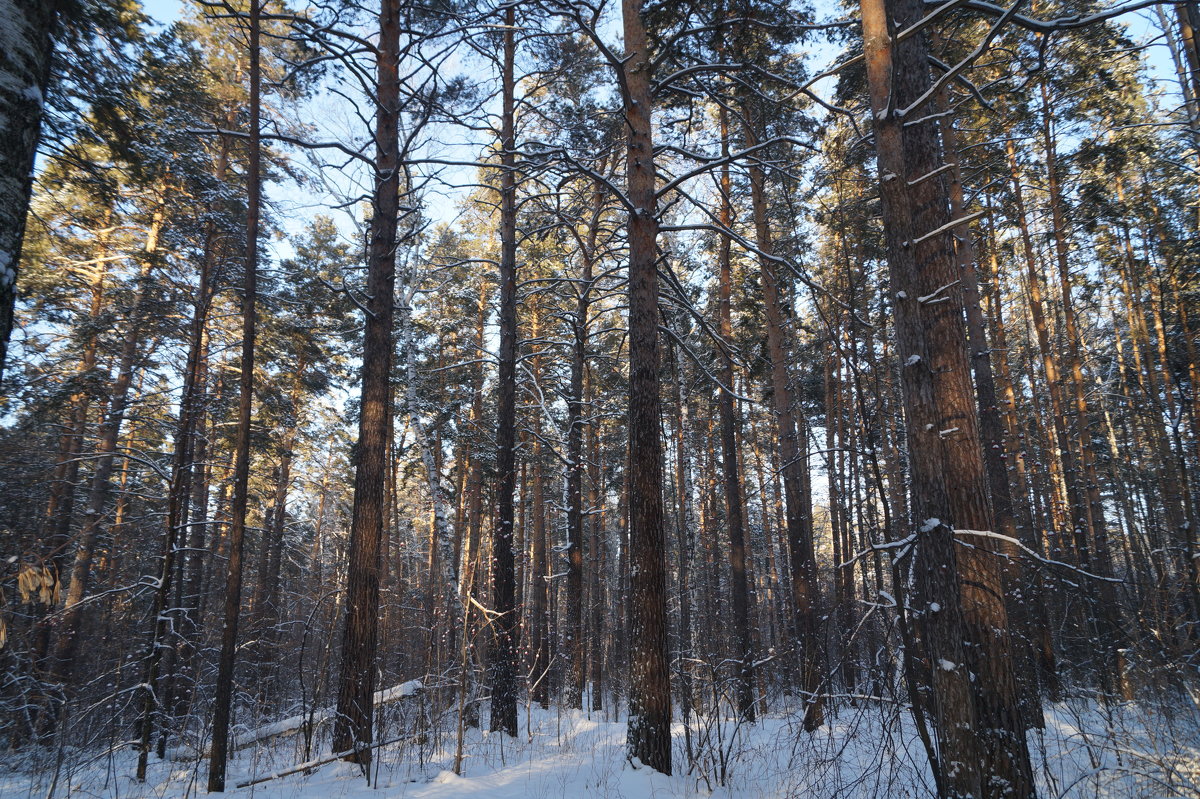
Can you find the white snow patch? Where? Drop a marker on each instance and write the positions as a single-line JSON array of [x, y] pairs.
[[868, 750]]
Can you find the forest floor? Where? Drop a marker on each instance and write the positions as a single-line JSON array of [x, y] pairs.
[[865, 752]]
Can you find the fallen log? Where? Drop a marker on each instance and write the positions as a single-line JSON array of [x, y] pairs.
[[320, 761], [292, 724]]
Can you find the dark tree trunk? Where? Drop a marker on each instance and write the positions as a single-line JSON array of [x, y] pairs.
[[981, 741], [24, 76], [503, 653], [649, 733], [734, 506], [356, 683], [222, 704]]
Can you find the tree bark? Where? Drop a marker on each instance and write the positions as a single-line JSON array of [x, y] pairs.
[[503, 653], [222, 703], [353, 729], [734, 505], [24, 78], [1018, 588], [649, 727], [981, 739]]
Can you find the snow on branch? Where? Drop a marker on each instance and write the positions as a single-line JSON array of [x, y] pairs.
[[1033, 554]]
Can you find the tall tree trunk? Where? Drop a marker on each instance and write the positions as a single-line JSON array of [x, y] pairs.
[[1018, 588], [576, 427], [356, 682], [792, 432], [61, 504], [685, 548], [1110, 633], [539, 616], [734, 505], [66, 646], [471, 572], [1070, 469], [223, 702], [596, 542], [1027, 532], [649, 728], [180, 527], [503, 652], [975, 711]]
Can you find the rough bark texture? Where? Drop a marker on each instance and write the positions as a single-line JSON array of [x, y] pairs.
[[26, 51], [649, 732], [503, 654], [1017, 593], [356, 684], [223, 702], [981, 742]]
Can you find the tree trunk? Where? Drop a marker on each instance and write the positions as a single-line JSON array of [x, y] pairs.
[[106, 456], [1027, 532], [981, 739], [734, 506], [183, 473], [503, 653], [793, 451], [222, 703], [24, 75], [576, 426], [356, 683], [1018, 588], [1111, 635], [649, 729]]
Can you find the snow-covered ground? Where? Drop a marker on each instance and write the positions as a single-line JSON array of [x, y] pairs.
[[866, 752]]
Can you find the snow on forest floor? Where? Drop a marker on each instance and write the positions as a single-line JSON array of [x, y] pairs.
[[866, 752]]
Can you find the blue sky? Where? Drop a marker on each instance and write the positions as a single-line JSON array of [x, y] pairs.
[[164, 10]]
